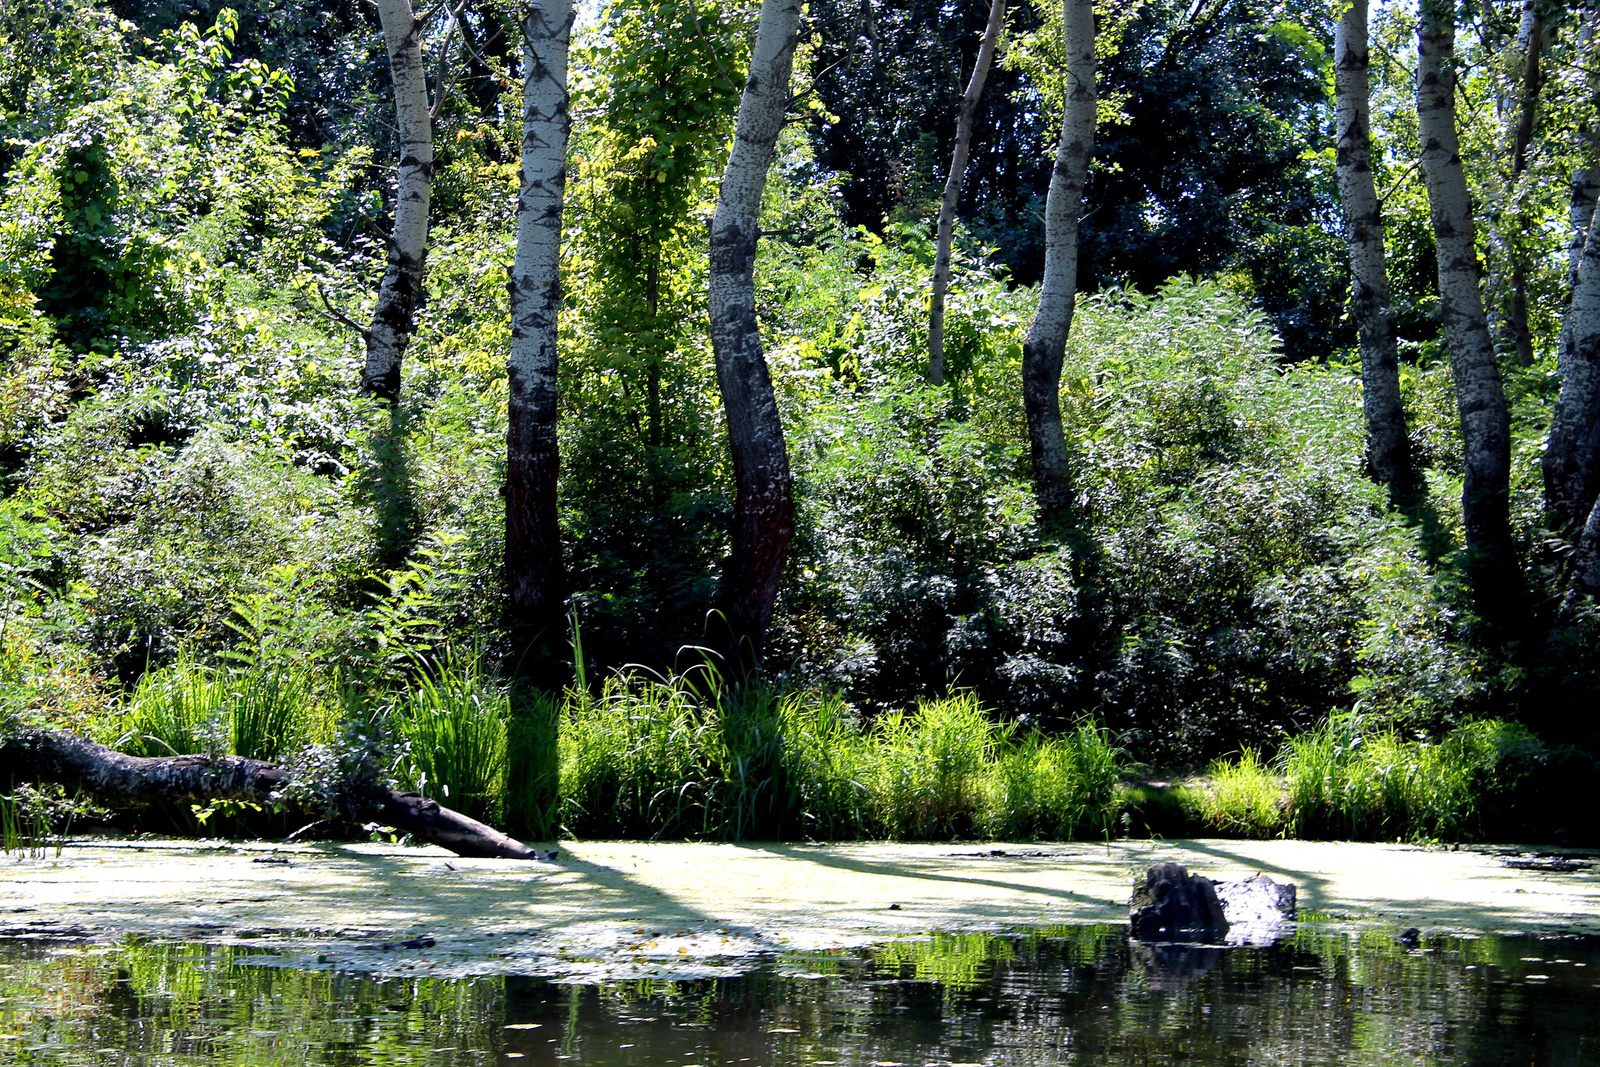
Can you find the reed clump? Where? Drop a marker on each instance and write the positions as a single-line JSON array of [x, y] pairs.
[[655, 758], [1350, 780]]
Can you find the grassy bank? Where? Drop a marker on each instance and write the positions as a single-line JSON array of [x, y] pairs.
[[694, 757], [1486, 780]]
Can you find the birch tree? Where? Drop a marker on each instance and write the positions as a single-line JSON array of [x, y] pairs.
[[1572, 453], [952, 189], [763, 516], [1046, 344], [1585, 182], [1531, 42], [398, 293], [1388, 446], [534, 572], [1480, 397]]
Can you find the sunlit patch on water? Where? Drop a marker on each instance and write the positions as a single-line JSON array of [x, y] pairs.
[[1080, 995]]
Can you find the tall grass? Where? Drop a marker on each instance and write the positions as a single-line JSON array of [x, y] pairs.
[[1351, 781], [273, 709], [453, 723], [1346, 782], [654, 758], [1058, 788], [263, 712], [533, 767], [1245, 798], [176, 710]]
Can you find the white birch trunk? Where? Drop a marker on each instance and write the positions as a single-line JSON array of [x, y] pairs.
[[1388, 445], [1480, 397], [1531, 42], [534, 570], [1046, 343], [1585, 182], [763, 518], [1572, 454], [401, 288], [952, 189]]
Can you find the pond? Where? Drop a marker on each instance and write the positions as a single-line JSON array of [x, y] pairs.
[[1066, 995]]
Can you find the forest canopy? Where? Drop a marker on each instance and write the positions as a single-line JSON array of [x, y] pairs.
[[491, 395]]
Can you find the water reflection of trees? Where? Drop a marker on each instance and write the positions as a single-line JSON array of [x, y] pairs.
[[1067, 995]]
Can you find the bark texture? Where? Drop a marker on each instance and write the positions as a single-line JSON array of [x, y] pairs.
[[401, 288], [534, 572], [137, 782], [1572, 453], [763, 517], [1046, 344], [1531, 39], [1388, 445], [1585, 182], [1586, 560], [952, 189], [1480, 397]]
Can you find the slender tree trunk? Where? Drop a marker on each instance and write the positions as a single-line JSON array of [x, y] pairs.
[[1572, 454], [1480, 398], [1585, 185], [652, 385], [1046, 343], [952, 189], [534, 571], [136, 782], [763, 515], [1532, 41], [1388, 445], [401, 288]]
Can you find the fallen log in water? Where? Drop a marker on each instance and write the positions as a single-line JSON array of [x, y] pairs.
[[119, 779]]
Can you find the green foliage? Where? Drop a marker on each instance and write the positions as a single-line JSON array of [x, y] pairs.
[[176, 710], [533, 767], [451, 726], [656, 759], [1345, 781], [264, 711], [1054, 788], [1243, 799]]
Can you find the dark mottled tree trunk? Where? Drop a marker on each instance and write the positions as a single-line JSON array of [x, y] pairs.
[[121, 780], [1388, 444], [763, 517], [1480, 397], [534, 572], [1046, 344], [952, 189], [398, 294]]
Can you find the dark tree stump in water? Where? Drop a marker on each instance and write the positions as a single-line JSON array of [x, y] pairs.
[[122, 780], [1173, 905]]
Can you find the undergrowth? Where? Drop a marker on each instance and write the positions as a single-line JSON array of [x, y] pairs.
[[1345, 780]]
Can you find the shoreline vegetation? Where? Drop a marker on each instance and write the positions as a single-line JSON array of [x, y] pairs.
[[692, 757]]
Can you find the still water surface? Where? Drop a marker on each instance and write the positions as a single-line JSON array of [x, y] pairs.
[[1079, 995]]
